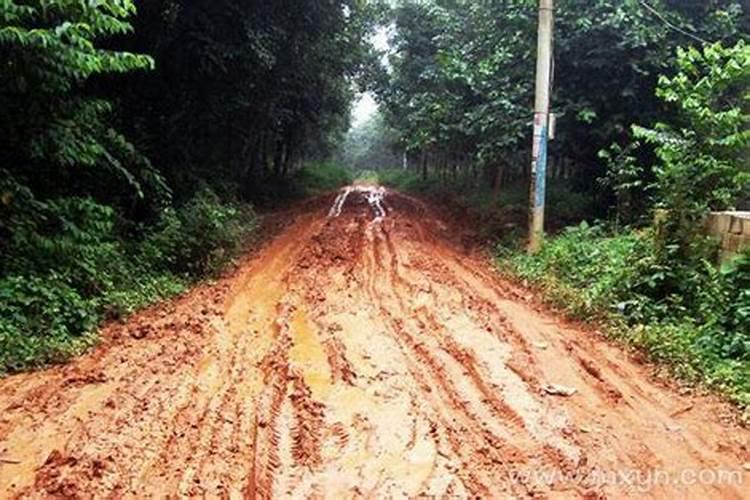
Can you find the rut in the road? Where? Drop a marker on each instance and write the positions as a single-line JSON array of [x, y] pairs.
[[359, 354]]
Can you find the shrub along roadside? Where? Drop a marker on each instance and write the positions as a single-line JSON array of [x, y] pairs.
[[312, 179], [318, 178], [617, 280], [72, 266], [498, 213]]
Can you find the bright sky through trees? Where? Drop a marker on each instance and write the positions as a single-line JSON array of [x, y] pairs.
[[365, 106]]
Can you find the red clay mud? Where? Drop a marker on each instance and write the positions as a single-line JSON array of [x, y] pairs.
[[361, 353]]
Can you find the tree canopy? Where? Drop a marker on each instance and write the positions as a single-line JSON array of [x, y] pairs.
[[460, 86]]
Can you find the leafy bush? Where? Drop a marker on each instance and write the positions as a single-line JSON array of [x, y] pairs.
[[199, 237], [143, 288], [703, 156], [737, 276], [602, 268], [729, 333], [318, 178], [70, 266], [42, 319], [618, 279], [75, 237]]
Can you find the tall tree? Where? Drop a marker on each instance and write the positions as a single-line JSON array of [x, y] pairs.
[[244, 90], [57, 134]]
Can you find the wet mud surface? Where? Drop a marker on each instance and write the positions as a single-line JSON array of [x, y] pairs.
[[361, 353]]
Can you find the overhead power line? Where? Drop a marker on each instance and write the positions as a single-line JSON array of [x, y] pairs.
[[671, 25]]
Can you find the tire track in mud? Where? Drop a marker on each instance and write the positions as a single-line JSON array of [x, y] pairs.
[[499, 450], [425, 367], [607, 383], [361, 354]]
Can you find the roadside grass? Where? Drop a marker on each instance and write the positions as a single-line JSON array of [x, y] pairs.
[[82, 267], [321, 177], [615, 279], [499, 214]]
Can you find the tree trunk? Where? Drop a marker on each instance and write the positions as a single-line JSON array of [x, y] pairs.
[[498, 181], [278, 158]]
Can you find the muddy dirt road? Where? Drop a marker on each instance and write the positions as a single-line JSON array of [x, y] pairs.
[[361, 353]]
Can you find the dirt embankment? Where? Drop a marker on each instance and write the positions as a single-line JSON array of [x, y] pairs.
[[360, 354]]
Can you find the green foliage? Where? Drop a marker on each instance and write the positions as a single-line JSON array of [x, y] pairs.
[[200, 237], [462, 74], [618, 279], [63, 264], [732, 326], [602, 268], [321, 177], [625, 177], [702, 162], [49, 51], [73, 266], [703, 154], [42, 320], [72, 235]]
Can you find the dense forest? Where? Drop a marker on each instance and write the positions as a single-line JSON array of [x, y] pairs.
[[138, 144], [461, 75]]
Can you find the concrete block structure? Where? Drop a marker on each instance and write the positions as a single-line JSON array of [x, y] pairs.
[[732, 229]]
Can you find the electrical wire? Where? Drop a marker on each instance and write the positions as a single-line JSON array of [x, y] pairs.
[[670, 25]]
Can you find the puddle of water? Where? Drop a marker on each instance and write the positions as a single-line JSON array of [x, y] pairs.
[[309, 356], [373, 194], [339, 202]]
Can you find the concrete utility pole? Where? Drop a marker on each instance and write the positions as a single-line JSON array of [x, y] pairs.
[[541, 124]]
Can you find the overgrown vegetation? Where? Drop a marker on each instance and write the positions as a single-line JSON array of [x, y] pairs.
[[76, 264], [501, 211], [617, 279]]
